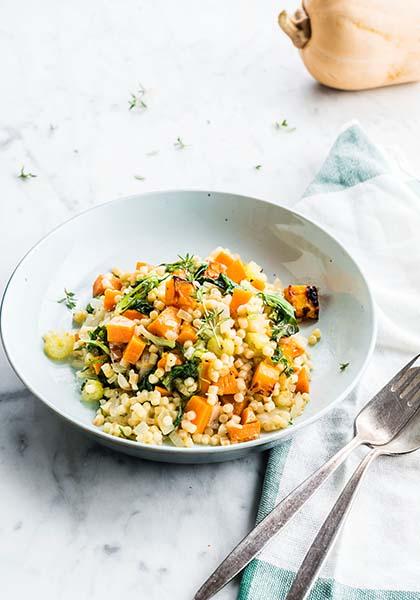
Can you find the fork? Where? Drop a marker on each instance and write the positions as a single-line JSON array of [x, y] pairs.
[[375, 425], [406, 441]]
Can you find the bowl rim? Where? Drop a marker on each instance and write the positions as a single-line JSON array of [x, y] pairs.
[[266, 438]]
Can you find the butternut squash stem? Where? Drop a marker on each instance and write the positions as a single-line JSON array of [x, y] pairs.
[[297, 27]]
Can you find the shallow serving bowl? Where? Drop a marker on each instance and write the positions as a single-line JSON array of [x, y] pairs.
[[156, 227]]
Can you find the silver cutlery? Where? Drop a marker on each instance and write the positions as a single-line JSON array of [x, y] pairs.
[[406, 441], [375, 425]]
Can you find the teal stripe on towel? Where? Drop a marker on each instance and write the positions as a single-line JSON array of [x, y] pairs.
[[263, 581], [352, 160]]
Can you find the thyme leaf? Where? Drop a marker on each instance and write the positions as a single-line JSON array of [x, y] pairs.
[[23, 175], [284, 126], [136, 100], [179, 144], [69, 299], [186, 263]]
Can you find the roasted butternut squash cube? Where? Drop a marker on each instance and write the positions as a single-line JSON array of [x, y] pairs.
[[265, 378], [244, 433], [166, 324], [304, 299], [180, 292], [202, 410], [103, 282]]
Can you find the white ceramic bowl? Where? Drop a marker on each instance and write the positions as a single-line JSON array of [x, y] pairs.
[[156, 227]]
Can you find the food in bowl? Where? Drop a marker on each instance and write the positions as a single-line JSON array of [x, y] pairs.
[[191, 352]]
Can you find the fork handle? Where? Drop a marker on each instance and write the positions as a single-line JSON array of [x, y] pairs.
[[327, 535], [255, 541]]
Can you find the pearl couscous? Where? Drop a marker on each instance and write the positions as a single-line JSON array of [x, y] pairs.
[[191, 352]]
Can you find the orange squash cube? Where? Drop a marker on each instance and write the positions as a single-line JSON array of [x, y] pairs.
[[180, 292], [187, 333], [103, 282], [244, 433], [110, 298], [204, 379], [265, 378], [120, 330], [291, 349], [224, 258], [134, 350], [202, 410], [304, 299], [227, 384], [239, 297], [168, 321], [236, 271], [302, 384], [133, 314]]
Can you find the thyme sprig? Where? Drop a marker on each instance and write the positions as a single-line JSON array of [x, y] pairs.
[[179, 144], [188, 264], [137, 100], [23, 175], [69, 299], [284, 126]]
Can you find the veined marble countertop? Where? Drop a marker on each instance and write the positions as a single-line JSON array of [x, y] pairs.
[[76, 520]]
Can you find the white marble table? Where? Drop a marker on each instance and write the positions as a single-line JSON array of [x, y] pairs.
[[77, 521]]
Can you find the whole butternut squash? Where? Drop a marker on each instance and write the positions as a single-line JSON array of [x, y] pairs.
[[357, 44]]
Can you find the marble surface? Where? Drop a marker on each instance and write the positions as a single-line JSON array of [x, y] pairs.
[[77, 520]]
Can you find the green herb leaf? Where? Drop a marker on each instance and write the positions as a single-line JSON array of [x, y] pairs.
[[225, 283], [144, 383], [90, 309], [210, 323], [137, 297], [23, 175], [199, 274], [136, 100], [282, 315], [69, 299], [179, 144], [222, 281], [279, 357], [257, 167], [188, 369], [158, 341], [343, 366], [139, 177], [185, 263], [97, 340], [178, 418], [284, 125]]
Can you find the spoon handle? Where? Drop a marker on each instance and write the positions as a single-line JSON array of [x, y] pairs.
[[327, 535]]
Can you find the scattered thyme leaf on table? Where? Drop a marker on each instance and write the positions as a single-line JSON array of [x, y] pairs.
[[23, 175], [137, 100], [284, 126], [139, 177], [343, 366], [257, 167], [179, 144]]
